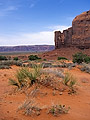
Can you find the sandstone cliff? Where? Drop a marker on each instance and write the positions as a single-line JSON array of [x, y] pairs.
[[76, 36]]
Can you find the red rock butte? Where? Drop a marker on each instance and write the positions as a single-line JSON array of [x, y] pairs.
[[76, 36]]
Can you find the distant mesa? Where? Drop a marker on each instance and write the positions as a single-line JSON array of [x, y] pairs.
[[76, 36], [29, 48]]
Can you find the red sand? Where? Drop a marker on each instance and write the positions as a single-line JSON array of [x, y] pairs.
[[79, 103]]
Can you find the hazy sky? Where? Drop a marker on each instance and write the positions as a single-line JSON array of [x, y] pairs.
[[32, 22]]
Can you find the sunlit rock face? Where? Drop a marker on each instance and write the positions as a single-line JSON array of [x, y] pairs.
[[76, 36]]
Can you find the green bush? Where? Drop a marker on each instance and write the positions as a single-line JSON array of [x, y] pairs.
[[87, 59], [25, 77], [33, 57], [80, 57], [44, 60], [62, 58], [3, 58], [15, 58]]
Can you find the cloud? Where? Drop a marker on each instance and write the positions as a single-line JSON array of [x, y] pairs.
[[33, 3], [10, 8], [58, 27], [5, 11], [39, 38]]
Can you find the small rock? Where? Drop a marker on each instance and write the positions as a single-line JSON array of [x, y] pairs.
[[10, 102], [7, 111], [38, 113], [60, 93], [84, 80]]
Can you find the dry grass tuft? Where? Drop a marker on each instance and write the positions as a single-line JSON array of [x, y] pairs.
[[30, 107], [58, 109]]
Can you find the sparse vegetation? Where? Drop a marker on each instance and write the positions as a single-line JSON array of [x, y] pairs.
[[87, 59], [56, 72], [70, 81], [80, 57], [51, 78], [11, 62], [44, 59], [25, 77], [14, 82], [47, 80], [85, 67], [62, 58], [33, 57], [30, 108], [4, 67], [15, 58], [58, 109], [3, 58], [67, 78], [46, 64]]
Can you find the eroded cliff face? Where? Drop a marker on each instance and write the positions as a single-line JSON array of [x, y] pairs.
[[78, 35]]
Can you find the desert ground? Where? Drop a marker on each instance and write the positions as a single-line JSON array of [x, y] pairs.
[[46, 96]]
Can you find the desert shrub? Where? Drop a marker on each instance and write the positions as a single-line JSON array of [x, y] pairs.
[[49, 78], [62, 58], [87, 59], [11, 62], [67, 78], [14, 82], [17, 63], [4, 67], [33, 57], [3, 58], [80, 57], [21, 78], [44, 59], [56, 72], [58, 109], [46, 64], [85, 67], [70, 81], [30, 107], [15, 58], [8, 63], [46, 80], [25, 77], [65, 65]]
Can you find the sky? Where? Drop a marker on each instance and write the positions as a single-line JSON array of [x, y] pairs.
[[33, 22]]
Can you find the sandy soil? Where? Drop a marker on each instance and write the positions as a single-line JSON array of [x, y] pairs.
[[79, 102]]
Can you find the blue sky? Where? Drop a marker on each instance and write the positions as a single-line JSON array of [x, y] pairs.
[[31, 22]]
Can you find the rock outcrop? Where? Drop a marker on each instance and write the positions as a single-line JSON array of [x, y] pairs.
[[76, 36]]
